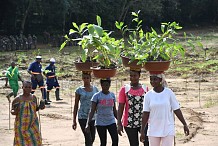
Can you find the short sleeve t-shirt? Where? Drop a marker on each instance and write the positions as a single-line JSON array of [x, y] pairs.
[[105, 105], [85, 101], [133, 99], [161, 106], [35, 67]]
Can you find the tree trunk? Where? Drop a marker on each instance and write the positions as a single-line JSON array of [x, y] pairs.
[[126, 5], [25, 15]]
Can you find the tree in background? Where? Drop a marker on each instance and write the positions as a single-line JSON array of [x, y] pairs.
[[56, 16]]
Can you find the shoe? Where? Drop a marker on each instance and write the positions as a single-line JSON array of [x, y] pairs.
[[47, 103], [58, 99]]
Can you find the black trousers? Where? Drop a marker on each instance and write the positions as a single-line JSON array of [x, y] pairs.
[[133, 136], [102, 132], [89, 137]]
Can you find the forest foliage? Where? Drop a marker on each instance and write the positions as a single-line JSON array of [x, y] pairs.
[[37, 16]]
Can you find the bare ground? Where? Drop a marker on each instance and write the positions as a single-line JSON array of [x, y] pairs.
[[56, 120]]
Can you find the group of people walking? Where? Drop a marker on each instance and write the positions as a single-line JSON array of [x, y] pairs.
[[36, 76], [145, 115], [26, 105]]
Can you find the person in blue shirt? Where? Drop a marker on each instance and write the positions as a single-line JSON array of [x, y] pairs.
[[51, 80], [83, 95], [103, 103], [35, 70]]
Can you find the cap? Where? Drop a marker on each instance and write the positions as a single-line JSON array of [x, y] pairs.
[[38, 57], [52, 60]]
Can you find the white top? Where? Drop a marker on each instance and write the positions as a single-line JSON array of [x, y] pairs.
[[161, 107]]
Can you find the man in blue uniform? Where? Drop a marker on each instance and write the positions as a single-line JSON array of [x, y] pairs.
[[51, 80], [35, 70]]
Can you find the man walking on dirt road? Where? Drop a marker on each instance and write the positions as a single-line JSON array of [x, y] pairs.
[[51, 81], [35, 70], [12, 75]]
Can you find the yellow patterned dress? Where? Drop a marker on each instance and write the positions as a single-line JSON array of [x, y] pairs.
[[26, 125]]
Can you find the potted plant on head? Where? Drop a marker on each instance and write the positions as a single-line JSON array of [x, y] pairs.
[[98, 43], [77, 34], [152, 50]]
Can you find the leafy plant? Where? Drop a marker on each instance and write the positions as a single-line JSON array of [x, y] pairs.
[[97, 43], [152, 46]]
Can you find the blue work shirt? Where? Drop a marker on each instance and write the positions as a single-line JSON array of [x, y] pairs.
[[51, 69], [35, 67]]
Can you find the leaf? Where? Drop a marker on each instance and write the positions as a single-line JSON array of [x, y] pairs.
[[99, 30], [134, 14], [82, 27], [98, 18], [91, 29], [119, 25], [84, 54], [63, 45], [72, 31], [76, 26], [66, 37], [162, 28]]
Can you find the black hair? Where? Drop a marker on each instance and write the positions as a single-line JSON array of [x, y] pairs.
[[105, 80], [27, 82], [138, 71]]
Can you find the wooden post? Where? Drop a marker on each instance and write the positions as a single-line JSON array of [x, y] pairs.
[[9, 113], [199, 91], [39, 117]]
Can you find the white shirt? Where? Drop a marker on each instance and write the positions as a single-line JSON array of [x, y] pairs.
[[161, 106]]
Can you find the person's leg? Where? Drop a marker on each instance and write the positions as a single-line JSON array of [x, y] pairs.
[[88, 136], [102, 132], [167, 141], [112, 129], [57, 91], [132, 134], [34, 85], [146, 142], [43, 91], [154, 141], [92, 130], [16, 88], [49, 88]]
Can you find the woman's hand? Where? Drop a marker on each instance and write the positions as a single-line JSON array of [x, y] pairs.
[[15, 108], [74, 126], [186, 130], [120, 129], [87, 129], [142, 137]]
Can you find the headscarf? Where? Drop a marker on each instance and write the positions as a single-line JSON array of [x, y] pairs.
[[162, 76]]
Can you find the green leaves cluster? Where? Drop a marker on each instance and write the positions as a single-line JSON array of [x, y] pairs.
[[151, 45], [95, 42]]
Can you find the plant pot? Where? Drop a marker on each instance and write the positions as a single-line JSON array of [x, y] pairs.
[[157, 66], [85, 66], [104, 73], [125, 61]]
